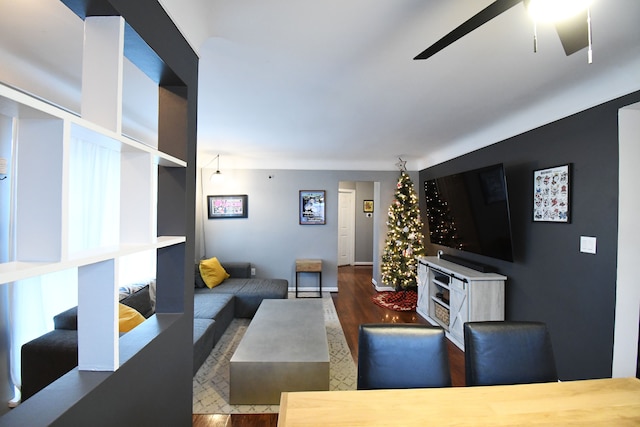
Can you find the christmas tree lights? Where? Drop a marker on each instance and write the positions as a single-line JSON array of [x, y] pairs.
[[404, 240]]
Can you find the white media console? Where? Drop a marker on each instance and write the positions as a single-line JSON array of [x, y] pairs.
[[450, 295]]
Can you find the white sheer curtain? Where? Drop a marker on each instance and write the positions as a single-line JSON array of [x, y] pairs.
[[94, 202], [94, 220]]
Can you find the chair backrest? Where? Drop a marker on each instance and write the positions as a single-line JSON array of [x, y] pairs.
[[508, 353], [394, 355]]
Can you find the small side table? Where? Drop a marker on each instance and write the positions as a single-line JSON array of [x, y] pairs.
[[310, 266]]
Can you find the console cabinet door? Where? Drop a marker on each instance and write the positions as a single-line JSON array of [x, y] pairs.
[[423, 289], [459, 308]]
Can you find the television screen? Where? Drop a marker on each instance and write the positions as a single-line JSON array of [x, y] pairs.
[[469, 211]]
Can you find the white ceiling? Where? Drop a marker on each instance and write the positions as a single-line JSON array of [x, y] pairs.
[[332, 84]]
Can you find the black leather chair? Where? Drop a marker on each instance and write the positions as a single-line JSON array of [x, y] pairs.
[[508, 353], [394, 355]]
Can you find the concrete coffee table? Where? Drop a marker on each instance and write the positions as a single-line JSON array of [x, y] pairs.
[[284, 349]]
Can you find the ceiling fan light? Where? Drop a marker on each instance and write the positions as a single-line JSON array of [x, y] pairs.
[[556, 10]]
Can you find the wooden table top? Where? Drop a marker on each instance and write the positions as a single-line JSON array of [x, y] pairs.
[[610, 402]]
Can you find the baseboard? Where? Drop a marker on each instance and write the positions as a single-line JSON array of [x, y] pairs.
[[363, 263], [381, 288]]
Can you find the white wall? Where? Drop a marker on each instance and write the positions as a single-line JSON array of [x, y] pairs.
[[6, 386], [271, 237], [625, 346]]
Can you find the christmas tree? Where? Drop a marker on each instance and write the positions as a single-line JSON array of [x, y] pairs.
[[404, 237]]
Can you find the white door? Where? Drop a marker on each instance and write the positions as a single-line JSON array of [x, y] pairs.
[[346, 226]]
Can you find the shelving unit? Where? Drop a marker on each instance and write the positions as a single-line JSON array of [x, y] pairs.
[[43, 227], [450, 295]]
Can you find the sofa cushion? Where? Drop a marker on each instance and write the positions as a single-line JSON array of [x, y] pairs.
[[208, 306], [47, 358], [212, 272], [198, 277], [140, 301], [219, 307], [68, 319], [203, 341], [238, 270], [128, 318], [248, 298], [249, 293]]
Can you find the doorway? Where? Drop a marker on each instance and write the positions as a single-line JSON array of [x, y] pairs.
[[346, 227], [355, 223]]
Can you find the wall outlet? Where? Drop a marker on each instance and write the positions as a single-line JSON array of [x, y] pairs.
[[253, 271]]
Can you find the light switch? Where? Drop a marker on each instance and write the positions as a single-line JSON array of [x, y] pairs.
[[588, 244]]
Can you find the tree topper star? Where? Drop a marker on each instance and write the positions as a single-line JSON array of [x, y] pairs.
[[402, 164]]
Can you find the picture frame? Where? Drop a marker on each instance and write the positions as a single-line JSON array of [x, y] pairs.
[[312, 207], [228, 206], [367, 206], [552, 194]]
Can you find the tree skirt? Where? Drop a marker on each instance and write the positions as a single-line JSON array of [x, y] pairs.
[[396, 300]]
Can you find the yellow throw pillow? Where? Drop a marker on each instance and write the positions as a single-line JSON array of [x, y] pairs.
[[129, 318], [212, 272]]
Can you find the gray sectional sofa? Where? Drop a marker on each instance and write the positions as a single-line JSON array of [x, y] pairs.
[[238, 296], [47, 358]]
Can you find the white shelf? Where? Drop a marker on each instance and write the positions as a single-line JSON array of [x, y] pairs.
[[14, 271], [14, 103], [442, 284], [440, 302]]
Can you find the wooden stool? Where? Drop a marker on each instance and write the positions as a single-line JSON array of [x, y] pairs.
[[309, 266]]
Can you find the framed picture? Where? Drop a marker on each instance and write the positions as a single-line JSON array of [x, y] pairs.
[[234, 206], [551, 194], [367, 205], [312, 209]]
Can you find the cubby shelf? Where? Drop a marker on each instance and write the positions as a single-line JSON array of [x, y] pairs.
[[147, 173], [15, 103], [20, 270]]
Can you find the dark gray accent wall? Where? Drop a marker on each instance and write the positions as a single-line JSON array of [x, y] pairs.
[[550, 279]]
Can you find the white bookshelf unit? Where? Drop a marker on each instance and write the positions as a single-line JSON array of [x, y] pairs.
[[450, 295], [42, 211]]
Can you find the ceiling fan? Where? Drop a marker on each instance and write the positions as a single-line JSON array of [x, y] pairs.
[[574, 32]]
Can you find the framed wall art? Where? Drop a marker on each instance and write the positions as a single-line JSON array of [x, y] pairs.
[[234, 206], [367, 205], [312, 208], [551, 194]]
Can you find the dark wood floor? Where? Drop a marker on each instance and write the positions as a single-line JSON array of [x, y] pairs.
[[353, 305]]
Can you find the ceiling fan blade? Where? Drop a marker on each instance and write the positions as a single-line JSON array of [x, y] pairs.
[[482, 17], [574, 33]]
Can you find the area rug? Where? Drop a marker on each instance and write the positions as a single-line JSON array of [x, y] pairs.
[[211, 383], [396, 300]]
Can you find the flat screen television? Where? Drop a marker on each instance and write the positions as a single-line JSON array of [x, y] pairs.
[[469, 211]]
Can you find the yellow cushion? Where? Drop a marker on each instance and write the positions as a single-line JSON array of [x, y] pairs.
[[212, 272], [129, 318]]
